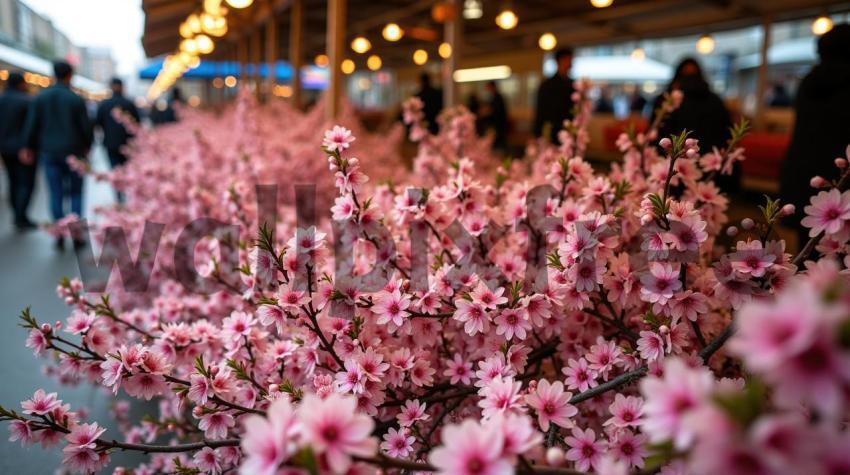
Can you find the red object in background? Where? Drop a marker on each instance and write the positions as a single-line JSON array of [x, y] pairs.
[[612, 132], [765, 152]]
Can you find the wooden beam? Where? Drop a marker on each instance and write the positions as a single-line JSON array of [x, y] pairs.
[[336, 52], [296, 45]]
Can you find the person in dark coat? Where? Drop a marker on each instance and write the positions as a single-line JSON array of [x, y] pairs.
[[555, 98], [822, 125], [432, 102], [702, 112], [115, 135], [57, 127], [496, 116], [20, 167]]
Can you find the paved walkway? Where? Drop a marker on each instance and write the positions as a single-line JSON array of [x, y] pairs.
[[30, 268]]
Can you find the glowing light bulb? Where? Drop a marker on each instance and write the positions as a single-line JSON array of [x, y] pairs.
[[321, 60], [547, 42], [347, 66], [420, 57], [374, 62], [507, 19], [392, 32], [361, 45], [194, 23], [445, 50], [821, 25], [601, 3], [189, 46], [205, 44], [240, 3], [705, 44]]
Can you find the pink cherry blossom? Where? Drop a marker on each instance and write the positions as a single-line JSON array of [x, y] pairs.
[[470, 449], [270, 441], [335, 430], [552, 404], [585, 450], [398, 443], [41, 403], [827, 212]]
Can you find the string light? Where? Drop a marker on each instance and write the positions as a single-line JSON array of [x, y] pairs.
[[361, 45], [194, 23], [205, 44], [230, 81], [547, 42], [189, 46], [472, 9], [374, 62], [821, 25], [705, 44], [601, 3], [420, 57], [507, 19], [445, 50], [347, 66], [392, 32], [321, 60]]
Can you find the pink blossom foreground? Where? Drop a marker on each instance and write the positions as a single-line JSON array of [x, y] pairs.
[[581, 328]]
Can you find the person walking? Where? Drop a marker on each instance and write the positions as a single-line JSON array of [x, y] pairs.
[[20, 167], [115, 135], [495, 116], [822, 126], [57, 127], [555, 98], [432, 102]]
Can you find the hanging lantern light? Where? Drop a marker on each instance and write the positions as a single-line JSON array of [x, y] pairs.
[[240, 3], [445, 50], [821, 25], [601, 3], [392, 32], [374, 62], [547, 42], [347, 66], [205, 44], [472, 9], [420, 57], [705, 44], [507, 19], [361, 45]]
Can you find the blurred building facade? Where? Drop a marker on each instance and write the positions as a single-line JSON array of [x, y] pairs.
[[26, 31]]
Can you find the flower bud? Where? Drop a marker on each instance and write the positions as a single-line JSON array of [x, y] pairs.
[[663, 330], [747, 223], [692, 153], [555, 456], [841, 162], [788, 209], [45, 328], [214, 370], [817, 182], [665, 143], [690, 143], [732, 231]]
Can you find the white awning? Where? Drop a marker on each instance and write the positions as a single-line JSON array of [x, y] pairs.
[[615, 69], [33, 64]]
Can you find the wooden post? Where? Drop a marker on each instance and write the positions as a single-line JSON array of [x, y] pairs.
[[271, 55], [452, 32], [256, 59], [242, 58], [296, 44], [761, 85], [335, 43]]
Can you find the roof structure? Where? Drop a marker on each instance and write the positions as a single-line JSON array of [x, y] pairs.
[[574, 22]]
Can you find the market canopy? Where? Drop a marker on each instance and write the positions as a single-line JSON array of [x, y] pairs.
[[572, 22], [311, 77]]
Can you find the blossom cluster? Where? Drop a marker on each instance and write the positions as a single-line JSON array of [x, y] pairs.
[[470, 317]]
